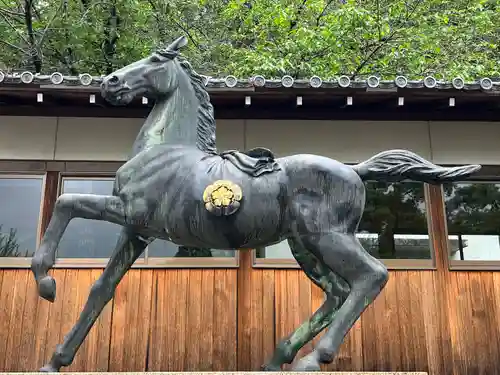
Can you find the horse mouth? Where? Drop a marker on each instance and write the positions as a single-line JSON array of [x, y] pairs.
[[121, 97]]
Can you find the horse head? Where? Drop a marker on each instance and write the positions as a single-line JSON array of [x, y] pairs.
[[154, 76]]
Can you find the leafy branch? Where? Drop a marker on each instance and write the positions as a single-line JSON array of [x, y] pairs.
[[384, 41], [34, 53], [323, 11], [295, 20], [111, 37], [31, 40]]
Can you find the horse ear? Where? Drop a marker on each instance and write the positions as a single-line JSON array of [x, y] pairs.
[[178, 44]]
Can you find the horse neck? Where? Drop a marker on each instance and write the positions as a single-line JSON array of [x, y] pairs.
[[173, 120]]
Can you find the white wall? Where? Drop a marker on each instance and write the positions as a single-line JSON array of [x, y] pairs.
[[107, 139], [98, 139], [348, 141]]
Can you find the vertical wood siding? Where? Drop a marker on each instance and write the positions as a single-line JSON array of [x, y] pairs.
[[174, 320]]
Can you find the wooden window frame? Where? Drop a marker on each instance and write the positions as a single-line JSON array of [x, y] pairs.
[[391, 264], [51, 188], [486, 176]]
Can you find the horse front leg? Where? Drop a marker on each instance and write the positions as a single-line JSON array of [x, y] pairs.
[[67, 207], [129, 247]]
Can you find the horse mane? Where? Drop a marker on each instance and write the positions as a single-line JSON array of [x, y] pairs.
[[206, 119]]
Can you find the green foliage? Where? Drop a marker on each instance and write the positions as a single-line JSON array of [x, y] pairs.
[[270, 37]]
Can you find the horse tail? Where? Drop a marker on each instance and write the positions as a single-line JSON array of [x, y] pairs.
[[398, 165]]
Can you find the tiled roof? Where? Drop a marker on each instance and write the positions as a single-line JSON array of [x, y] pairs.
[[374, 82]]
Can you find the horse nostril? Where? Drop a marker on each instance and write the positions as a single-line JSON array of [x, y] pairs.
[[113, 80]]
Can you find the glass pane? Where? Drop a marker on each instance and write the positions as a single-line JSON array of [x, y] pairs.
[[394, 223], [471, 247], [280, 250], [88, 238], [393, 226], [473, 218], [20, 200], [161, 248], [406, 246]]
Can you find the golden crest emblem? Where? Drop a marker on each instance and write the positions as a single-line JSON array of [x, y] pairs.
[[222, 198]]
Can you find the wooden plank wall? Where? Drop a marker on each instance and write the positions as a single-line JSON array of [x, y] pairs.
[[158, 320], [415, 325], [173, 320]]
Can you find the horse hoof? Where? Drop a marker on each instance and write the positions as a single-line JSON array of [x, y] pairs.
[[49, 368], [47, 288], [270, 368], [309, 363]]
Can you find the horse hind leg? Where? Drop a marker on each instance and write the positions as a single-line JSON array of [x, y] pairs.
[[344, 255], [336, 290], [128, 248]]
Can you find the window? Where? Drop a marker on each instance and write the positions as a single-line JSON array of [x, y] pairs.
[[20, 202], [473, 220], [161, 248], [393, 226], [394, 223], [280, 250], [88, 238], [27, 202], [97, 239]]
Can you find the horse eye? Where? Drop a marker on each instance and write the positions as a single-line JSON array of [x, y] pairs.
[[155, 59]]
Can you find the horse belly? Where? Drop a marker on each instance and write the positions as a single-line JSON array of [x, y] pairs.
[[258, 220]]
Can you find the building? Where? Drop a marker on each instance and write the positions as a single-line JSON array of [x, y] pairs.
[[227, 310]]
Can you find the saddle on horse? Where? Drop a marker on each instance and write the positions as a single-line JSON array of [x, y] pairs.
[[255, 162]]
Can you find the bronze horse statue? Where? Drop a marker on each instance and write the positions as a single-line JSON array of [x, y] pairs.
[[176, 186]]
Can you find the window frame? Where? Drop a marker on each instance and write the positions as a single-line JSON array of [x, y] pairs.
[[89, 170], [391, 264], [471, 265]]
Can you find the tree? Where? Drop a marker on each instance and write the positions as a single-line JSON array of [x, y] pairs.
[[9, 246], [444, 38], [269, 37], [473, 208], [392, 208], [195, 252]]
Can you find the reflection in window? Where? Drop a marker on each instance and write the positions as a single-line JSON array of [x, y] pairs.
[[161, 249], [88, 238], [393, 226], [20, 201], [473, 218], [394, 223]]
